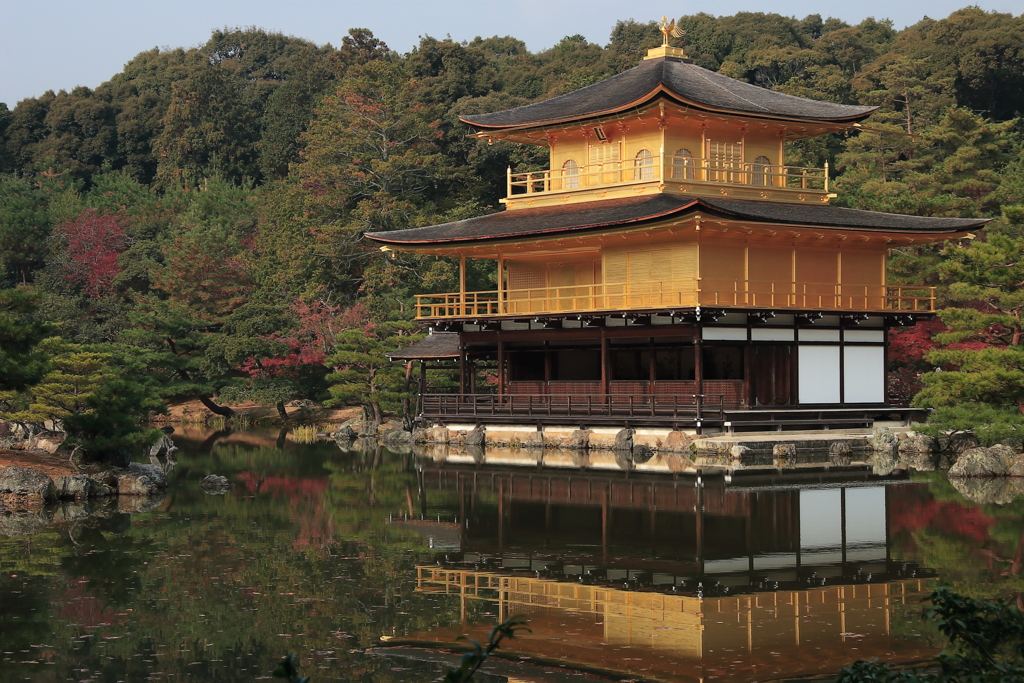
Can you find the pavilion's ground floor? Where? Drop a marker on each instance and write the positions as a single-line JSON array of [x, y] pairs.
[[712, 370]]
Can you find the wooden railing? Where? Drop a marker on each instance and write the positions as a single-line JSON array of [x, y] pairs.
[[654, 294], [671, 168], [684, 407]]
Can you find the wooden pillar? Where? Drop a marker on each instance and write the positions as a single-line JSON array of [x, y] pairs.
[[501, 284], [462, 370], [652, 366], [462, 284], [547, 363], [698, 370], [423, 385], [472, 376], [605, 374], [501, 366]]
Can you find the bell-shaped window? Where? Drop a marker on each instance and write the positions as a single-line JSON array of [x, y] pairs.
[[682, 165], [571, 173], [644, 165], [760, 171]]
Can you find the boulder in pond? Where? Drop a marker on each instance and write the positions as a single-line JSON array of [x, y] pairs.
[[163, 448], [476, 437], [216, 483], [958, 443], [579, 440], [74, 487], [623, 441], [884, 441], [398, 437], [154, 472], [741, 453], [677, 442], [983, 462], [344, 433], [918, 443], [136, 484], [784, 450], [27, 483]]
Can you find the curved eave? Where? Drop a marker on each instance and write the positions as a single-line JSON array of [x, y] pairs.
[[381, 237], [650, 98], [829, 219]]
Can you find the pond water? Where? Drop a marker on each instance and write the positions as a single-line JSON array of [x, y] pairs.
[[324, 552]]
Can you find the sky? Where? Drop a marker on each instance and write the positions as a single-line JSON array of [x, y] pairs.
[[61, 44]]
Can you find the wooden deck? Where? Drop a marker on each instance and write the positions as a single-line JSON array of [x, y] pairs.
[[629, 410]]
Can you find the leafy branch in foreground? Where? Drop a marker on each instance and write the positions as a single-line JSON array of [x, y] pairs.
[[288, 669], [472, 661], [986, 644]]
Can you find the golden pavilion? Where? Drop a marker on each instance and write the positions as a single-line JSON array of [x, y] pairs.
[[669, 268]]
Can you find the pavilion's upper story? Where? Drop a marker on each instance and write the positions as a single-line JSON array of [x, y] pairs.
[[668, 189], [667, 126]]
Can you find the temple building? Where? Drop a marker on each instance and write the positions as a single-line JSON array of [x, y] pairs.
[[669, 268]]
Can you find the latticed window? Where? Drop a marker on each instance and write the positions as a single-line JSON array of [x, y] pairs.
[[644, 165], [760, 171], [682, 165], [571, 171]]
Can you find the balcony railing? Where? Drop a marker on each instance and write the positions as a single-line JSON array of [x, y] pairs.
[[693, 407], [653, 295], [668, 168]]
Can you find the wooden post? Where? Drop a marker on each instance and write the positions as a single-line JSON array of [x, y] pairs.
[[501, 366], [501, 284], [698, 371], [604, 364], [423, 380], [547, 364], [462, 370], [462, 284]]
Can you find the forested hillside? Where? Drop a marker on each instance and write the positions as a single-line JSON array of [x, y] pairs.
[[192, 227]]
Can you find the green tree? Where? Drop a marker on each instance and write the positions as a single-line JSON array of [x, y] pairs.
[[980, 381], [21, 361], [207, 130]]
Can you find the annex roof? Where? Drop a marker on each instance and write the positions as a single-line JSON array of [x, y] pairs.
[[435, 346], [611, 213], [678, 79]]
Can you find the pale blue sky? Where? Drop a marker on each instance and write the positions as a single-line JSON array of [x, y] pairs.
[[59, 44]]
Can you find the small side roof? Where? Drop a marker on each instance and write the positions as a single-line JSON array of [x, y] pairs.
[[610, 213], [435, 346], [678, 79]]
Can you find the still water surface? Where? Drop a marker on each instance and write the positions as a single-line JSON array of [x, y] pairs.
[[324, 552]]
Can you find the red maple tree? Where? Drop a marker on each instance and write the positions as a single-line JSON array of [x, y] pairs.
[[92, 242]]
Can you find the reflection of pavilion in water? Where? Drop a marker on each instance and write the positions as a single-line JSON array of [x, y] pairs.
[[674, 580]]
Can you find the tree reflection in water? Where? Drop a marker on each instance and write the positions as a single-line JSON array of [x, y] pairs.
[[322, 551]]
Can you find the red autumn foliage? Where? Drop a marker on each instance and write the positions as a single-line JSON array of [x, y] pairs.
[[93, 241], [312, 341], [910, 512]]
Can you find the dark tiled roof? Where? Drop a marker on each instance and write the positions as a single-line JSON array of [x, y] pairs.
[[434, 346], [635, 210], [688, 82], [839, 217]]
